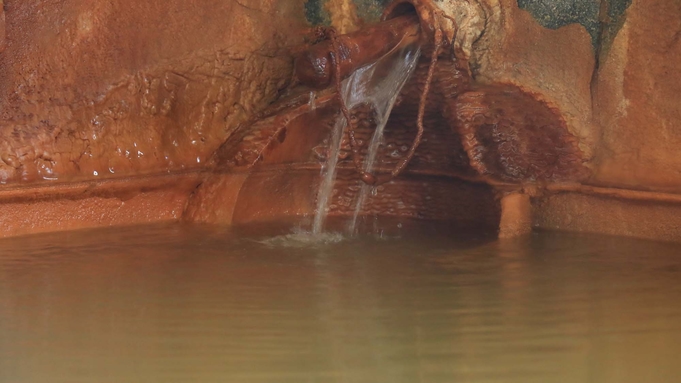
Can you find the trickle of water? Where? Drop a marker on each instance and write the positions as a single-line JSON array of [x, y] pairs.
[[383, 101], [377, 85], [329, 171]]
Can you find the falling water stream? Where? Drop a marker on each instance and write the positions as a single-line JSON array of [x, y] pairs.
[[377, 85]]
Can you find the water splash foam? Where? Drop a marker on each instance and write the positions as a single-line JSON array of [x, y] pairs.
[[303, 239]]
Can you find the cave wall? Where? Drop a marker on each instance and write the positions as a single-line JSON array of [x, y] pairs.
[[110, 110], [93, 89], [609, 66], [101, 89], [637, 99]]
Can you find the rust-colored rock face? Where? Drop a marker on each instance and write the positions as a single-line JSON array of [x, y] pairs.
[[614, 79], [474, 135], [618, 88], [495, 131], [103, 101], [3, 36], [638, 98], [512, 136], [546, 104], [97, 89], [555, 65]]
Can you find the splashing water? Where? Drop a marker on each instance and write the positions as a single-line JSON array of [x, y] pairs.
[[302, 239], [377, 85]]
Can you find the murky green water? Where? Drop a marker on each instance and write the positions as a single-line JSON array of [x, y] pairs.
[[179, 304]]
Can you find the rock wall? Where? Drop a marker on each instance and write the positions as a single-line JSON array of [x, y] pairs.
[[637, 94], [118, 88], [92, 89], [609, 66], [555, 65], [97, 90]]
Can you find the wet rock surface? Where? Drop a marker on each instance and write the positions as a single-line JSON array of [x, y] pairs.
[[636, 94], [511, 136], [127, 88], [474, 135], [160, 86], [563, 91], [495, 131]]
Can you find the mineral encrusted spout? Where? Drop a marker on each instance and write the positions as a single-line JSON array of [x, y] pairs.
[[315, 67]]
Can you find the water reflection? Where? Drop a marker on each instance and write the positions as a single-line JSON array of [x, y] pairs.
[[173, 303]]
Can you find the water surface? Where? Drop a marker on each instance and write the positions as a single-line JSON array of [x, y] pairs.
[[203, 304]]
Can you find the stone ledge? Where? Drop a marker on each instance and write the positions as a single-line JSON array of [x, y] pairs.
[[619, 212], [87, 204]]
